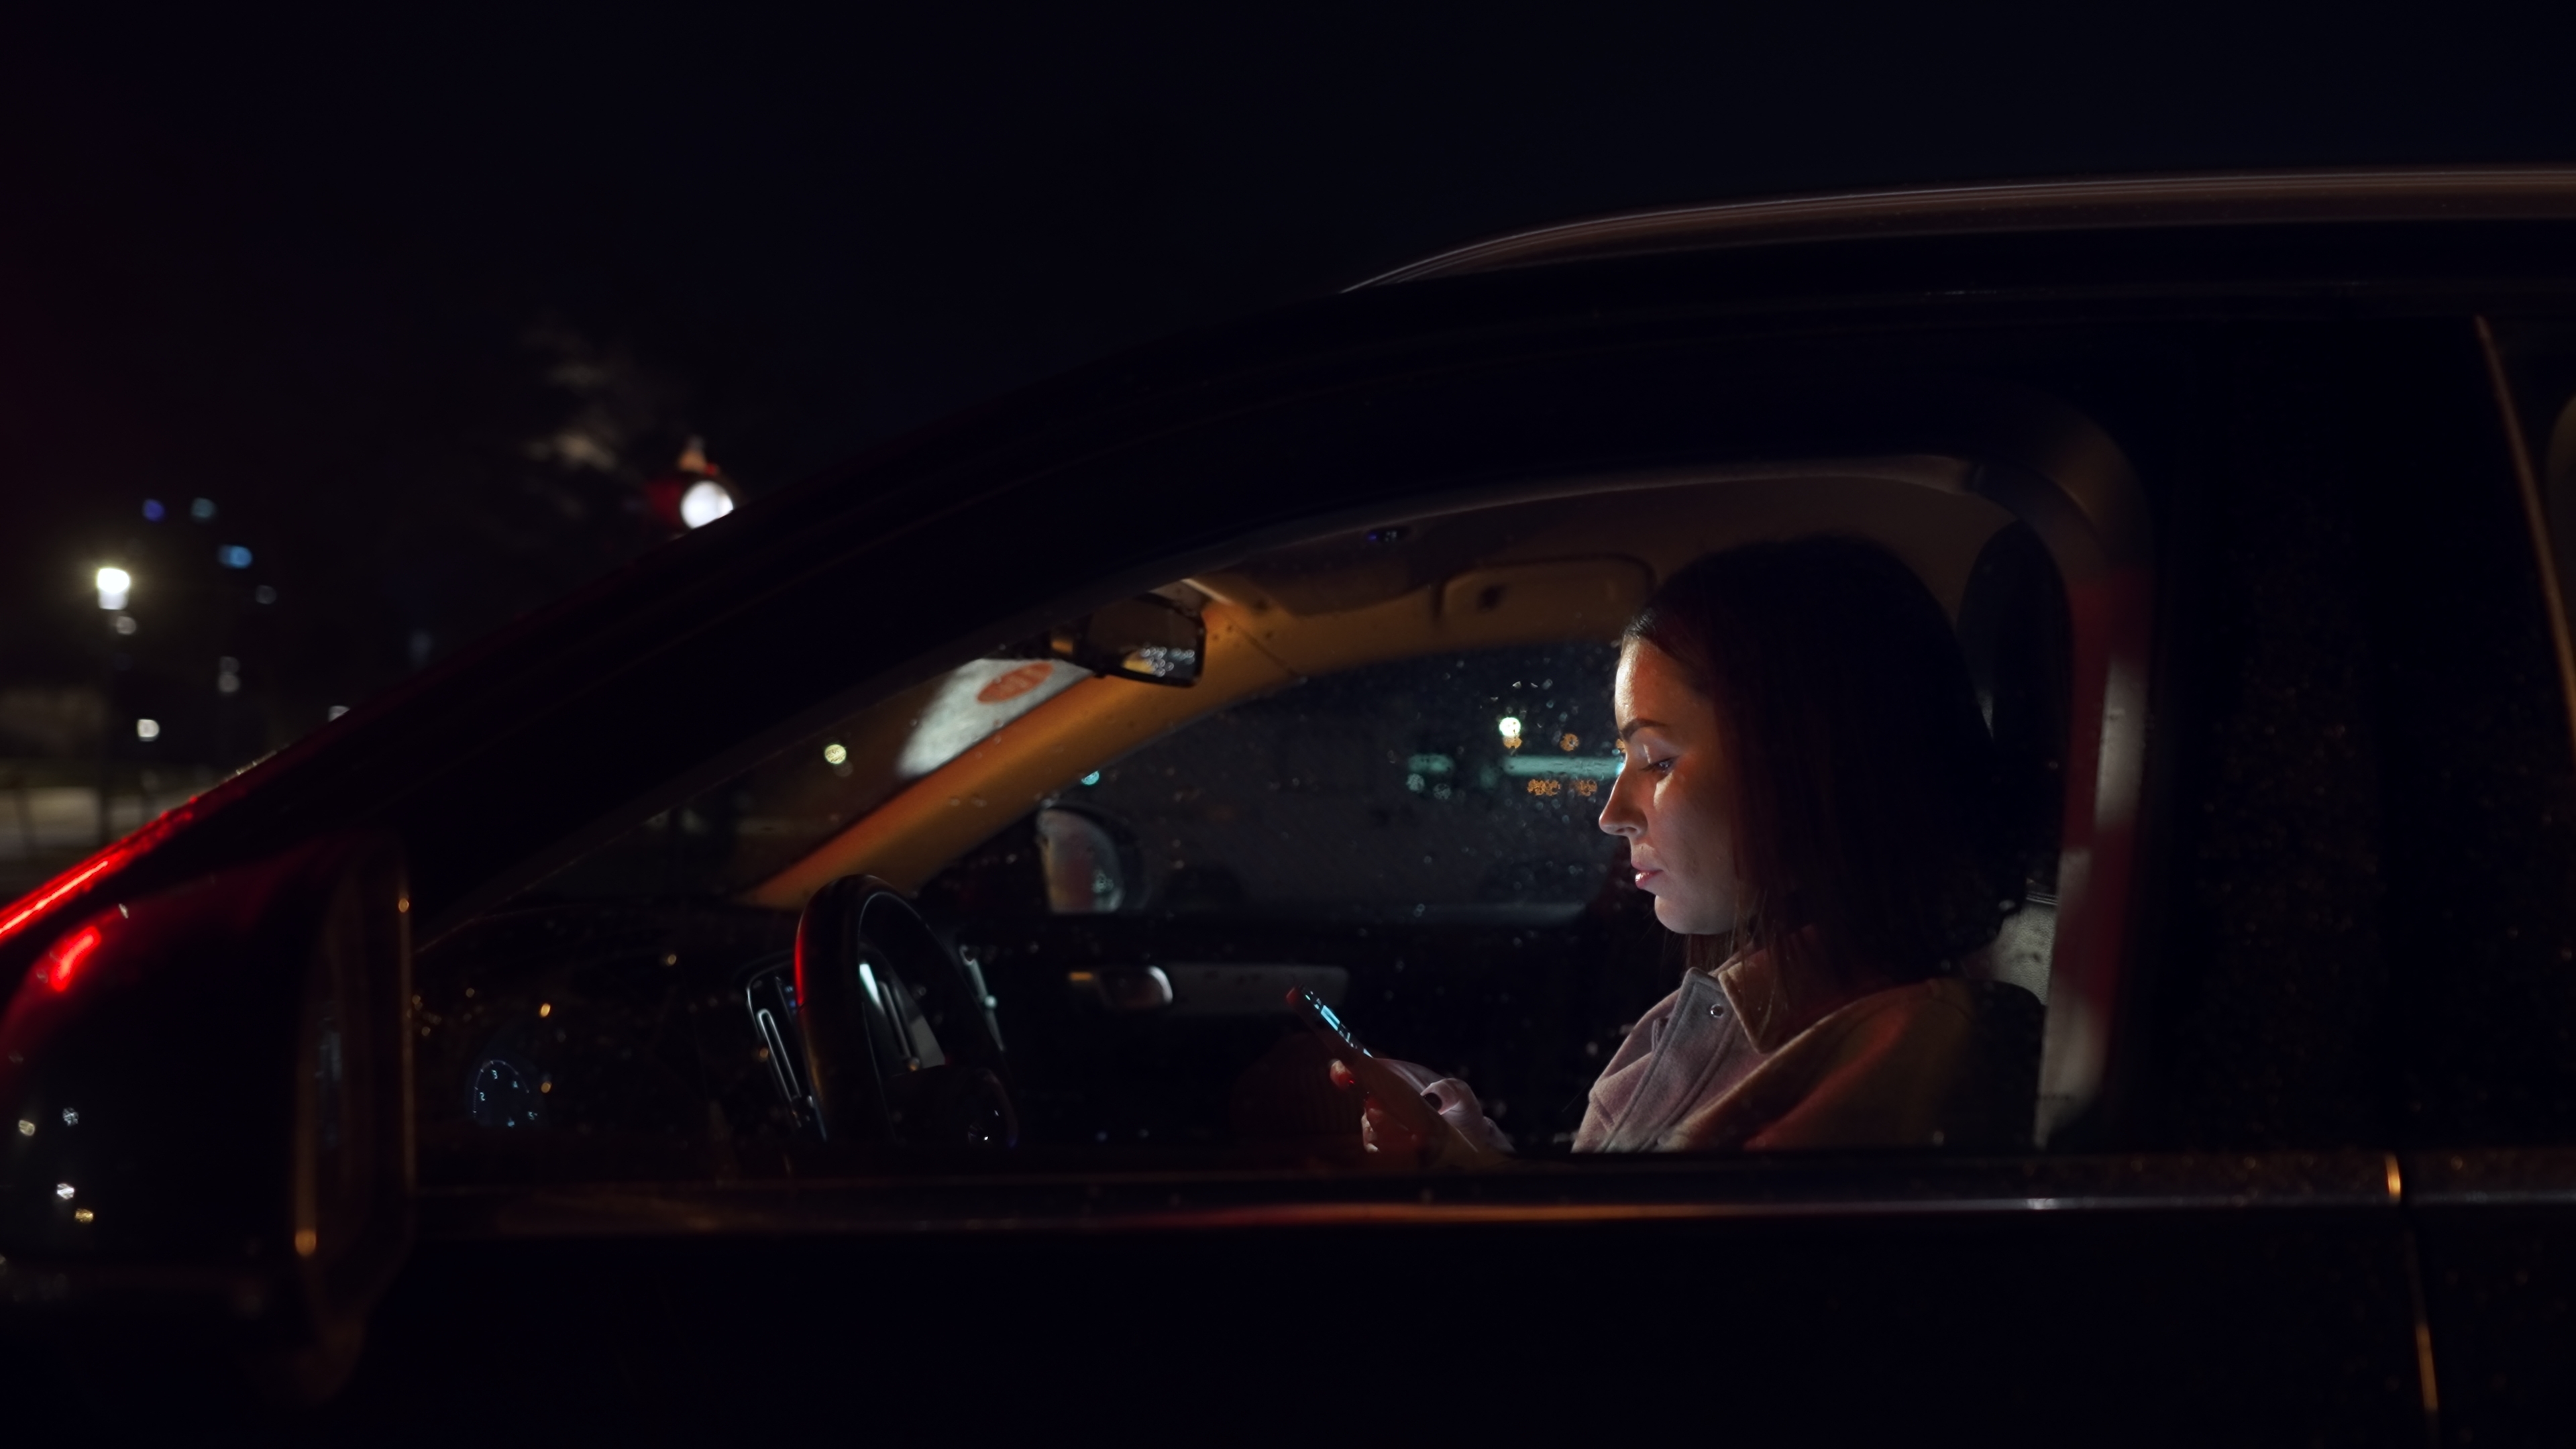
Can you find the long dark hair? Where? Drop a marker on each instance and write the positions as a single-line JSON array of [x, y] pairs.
[[1867, 800]]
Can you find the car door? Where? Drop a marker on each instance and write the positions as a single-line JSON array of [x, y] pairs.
[[2212, 1236]]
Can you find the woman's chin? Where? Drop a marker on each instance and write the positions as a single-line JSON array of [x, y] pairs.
[[1693, 916], [1681, 919]]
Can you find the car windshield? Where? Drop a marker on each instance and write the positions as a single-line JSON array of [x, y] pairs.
[[723, 841], [1397, 789]]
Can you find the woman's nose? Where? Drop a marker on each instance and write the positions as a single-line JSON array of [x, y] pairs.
[[1619, 814]]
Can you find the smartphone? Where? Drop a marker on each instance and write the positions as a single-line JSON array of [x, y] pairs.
[[1395, 1093]]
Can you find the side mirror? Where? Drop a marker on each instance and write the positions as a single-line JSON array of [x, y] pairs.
[[1089, 869], [1148, 639], [207, 1095]]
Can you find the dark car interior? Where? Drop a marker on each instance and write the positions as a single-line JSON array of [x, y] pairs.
[[1410, 835]]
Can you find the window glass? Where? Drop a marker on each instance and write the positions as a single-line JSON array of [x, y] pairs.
[[1381, 792], [2480, 795], [1426, 785], [726, 839]]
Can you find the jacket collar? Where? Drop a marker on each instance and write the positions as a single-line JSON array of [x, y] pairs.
[[1775, 1001]]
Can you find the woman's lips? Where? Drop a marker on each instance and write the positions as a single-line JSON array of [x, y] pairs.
[[1644, 877]]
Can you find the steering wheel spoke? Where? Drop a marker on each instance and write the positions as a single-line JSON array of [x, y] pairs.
[[901, 1046]]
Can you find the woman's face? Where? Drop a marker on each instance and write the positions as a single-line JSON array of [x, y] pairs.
[[1671, 800]]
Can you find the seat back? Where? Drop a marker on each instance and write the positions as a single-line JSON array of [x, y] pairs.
[[2014, 630]]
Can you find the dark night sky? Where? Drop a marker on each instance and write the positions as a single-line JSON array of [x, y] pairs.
[[338, 273]]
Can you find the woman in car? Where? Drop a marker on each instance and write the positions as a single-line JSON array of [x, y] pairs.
[[1811, 797]]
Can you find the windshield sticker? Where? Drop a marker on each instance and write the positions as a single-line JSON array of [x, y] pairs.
[[975, 700]]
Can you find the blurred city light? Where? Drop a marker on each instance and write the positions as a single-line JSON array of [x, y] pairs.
[[202, 510], [264, 595], [705, 501], [233, 556], [113, 585], [1511, 728], [335, 711], [1582, 767], [835, 754], [153, 512], [227, 675], [125, 624], [147, 729]]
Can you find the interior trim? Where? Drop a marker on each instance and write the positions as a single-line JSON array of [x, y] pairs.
[[1568, 1193]]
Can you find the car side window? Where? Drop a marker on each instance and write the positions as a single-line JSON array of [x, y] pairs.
[[1077, 905], [2483, 819]]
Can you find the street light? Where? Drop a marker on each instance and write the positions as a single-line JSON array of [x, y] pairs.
[[706, 501], [114, 584], [692, 495]]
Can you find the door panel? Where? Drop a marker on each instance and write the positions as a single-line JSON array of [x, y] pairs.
[[2143, 1300], [2498, 1230]]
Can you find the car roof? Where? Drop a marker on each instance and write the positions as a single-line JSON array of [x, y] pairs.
[[2198, 200]]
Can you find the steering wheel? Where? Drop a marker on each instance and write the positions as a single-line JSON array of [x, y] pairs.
[[901, 1045]]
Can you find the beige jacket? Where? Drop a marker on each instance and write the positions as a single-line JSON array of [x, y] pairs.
[[1744, 1058]]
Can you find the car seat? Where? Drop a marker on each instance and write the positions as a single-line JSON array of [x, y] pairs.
[[2013, 629]]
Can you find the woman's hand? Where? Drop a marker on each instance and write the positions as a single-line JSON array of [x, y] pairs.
[[1472, 1138]]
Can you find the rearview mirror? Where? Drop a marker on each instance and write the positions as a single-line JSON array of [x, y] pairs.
[[1148, 639]]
